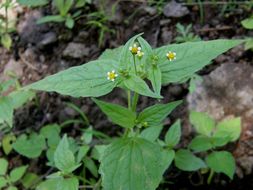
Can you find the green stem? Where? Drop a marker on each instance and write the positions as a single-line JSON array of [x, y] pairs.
[[129, 99], [135, 101], [135, 68], [210, 177]]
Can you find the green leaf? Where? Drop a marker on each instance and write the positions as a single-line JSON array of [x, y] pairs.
[[187, 161], [17, 173], [155, 114], [249, 44], [20, 97], [51, 18], [126, 57], [229, 128], [3, 166], [202, 123], [248, 23], [132, 163], [69, 22], [191, 57], [201, 143], [117, 114], [6, 41], [91, 166], [112, 54], [223, 162], [192, 85], [155, 76], [3, 182], [33, 3], [138, 85], [151, 133], [64, 6], [173, 135], [167, 157], [30, 180], [12, 188], [86, 80], [83, 150], [68, 184], [30, 147], [64, 158], [7, 143], [6, 110], [51, 132], [48, 184]]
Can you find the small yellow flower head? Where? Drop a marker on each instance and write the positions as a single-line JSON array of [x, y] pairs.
[[171, 55], [140, 54], [134, 49], [112, 75]]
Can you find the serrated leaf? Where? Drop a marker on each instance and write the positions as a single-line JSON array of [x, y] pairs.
[[59, 184], [112, 53], [12, 188], [173, 135], [223, 162], [187, 161], [191, 57], [229, 128], [202, 123], [155, 114], [83, 150], [151, 133], [17, 173], [117, 114], [136, 84], [3, 182], [86, 80], [91, 166], [132, 163], [64, 158], [249, 44], [201, 143], [30, 147], [20, 97], [3, 166]]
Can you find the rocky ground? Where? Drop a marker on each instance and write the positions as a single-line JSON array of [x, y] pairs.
[[226, 91]]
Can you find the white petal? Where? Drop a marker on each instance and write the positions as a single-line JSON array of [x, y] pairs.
[[112, 80], [108, 78], [130, 48], [116, 75], [139, 48], [108, 73], [113, 71], [174, 53]]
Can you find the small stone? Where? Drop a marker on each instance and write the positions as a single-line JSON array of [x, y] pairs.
[[47, 39], [14, 67], [150, 10], [174, 9], [76, 50], [165, 22]]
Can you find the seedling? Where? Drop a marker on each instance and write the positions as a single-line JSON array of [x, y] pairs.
[[185, 34]]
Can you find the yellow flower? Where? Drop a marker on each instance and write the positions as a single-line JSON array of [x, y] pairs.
[[112, 75], [140, 54], [171, 55], [134, 49]]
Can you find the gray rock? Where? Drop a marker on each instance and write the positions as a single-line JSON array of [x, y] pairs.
[[76, 50], [174, 9], [47, 39], [227, 92]]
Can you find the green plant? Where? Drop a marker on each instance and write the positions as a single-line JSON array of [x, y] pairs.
[[138, 156], [6, 25], [185, 34], [33, 3], [248, 24], [212, 136], [9, 181], [99, 19], [11, 101], [64, 8]]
